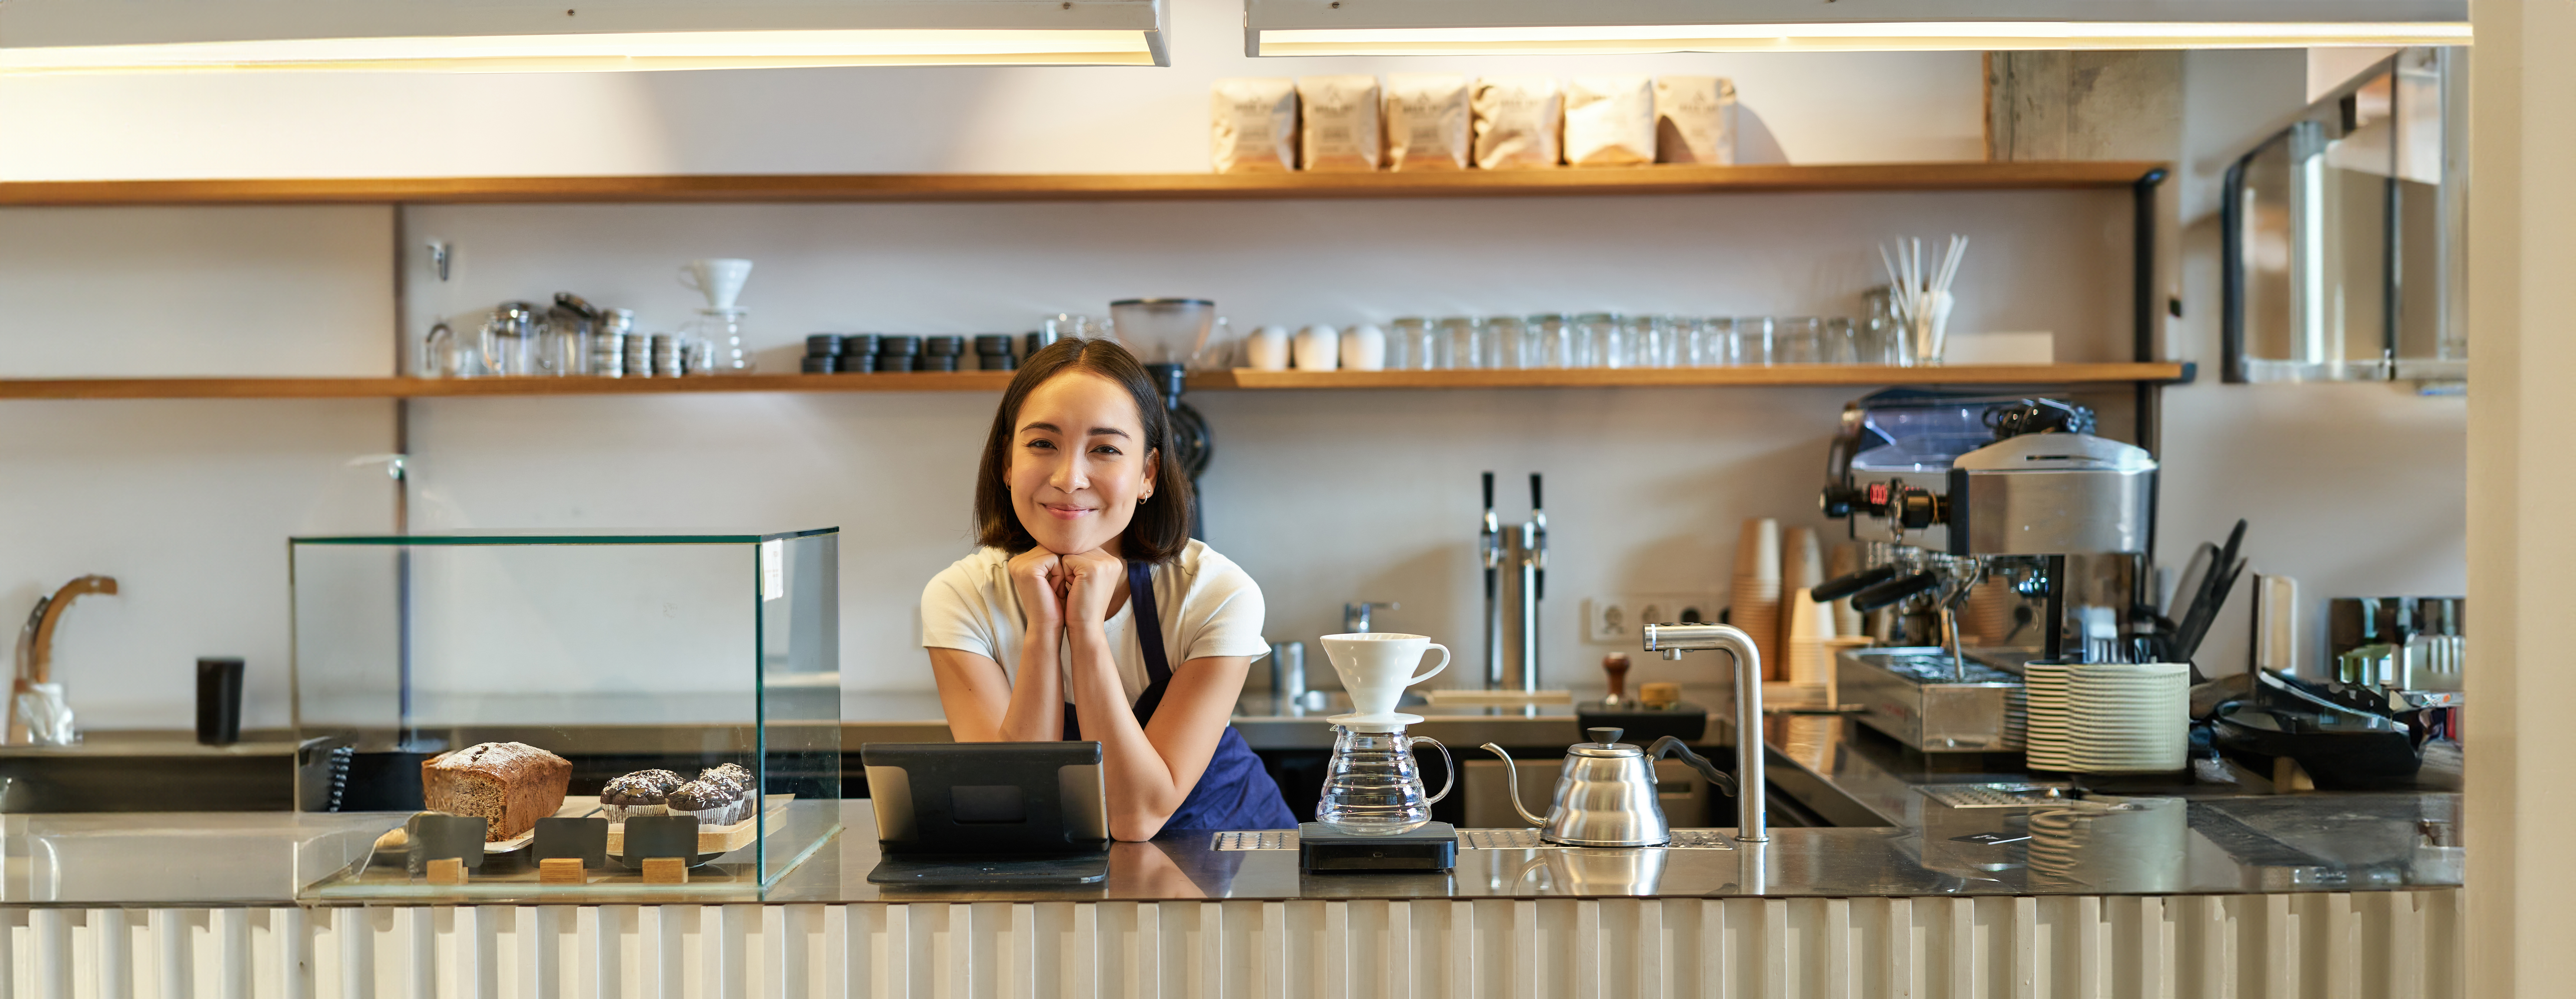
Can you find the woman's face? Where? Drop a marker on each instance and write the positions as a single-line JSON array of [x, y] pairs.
[[1079, 464]]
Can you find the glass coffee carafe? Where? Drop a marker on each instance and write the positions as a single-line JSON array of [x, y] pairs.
[[1372, 785]]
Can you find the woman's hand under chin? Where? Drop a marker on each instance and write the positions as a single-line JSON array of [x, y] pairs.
[[1039, 577], [1090, 583]]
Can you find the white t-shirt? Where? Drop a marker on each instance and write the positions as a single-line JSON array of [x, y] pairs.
[[1208, 607]]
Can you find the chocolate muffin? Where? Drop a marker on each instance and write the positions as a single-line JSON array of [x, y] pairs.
[[644, 792], [714, 802]]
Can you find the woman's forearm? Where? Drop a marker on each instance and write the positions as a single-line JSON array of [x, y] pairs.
[[1142, 789], [1036, 713]]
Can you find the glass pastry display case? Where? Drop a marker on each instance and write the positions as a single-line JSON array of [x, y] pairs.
[[549, 713]]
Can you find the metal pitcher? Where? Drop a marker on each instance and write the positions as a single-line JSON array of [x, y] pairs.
[[1605, 795]]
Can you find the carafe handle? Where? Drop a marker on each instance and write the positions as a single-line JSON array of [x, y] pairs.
[[1447, 764]]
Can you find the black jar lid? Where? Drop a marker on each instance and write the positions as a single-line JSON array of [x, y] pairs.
[[943, 346], [894, 345]]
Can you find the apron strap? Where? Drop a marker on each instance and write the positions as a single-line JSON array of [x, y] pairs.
[[1149, 639]]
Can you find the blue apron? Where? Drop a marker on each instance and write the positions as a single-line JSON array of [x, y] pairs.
[[1234, 792]]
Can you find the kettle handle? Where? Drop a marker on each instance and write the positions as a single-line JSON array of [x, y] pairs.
[[1445, 761], [1672, 746]]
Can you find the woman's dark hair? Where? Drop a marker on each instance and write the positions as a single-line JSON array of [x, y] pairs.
[[1160, 527]]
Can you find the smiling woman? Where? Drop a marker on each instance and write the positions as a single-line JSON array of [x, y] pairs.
[[1083, 514]]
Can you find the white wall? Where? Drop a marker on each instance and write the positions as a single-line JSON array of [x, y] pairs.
[[1326, 497]]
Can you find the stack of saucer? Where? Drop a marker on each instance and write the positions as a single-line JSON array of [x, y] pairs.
[[2128, 717], [2046, 715]]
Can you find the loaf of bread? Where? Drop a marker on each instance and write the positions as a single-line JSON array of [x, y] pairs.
[[511, 784]]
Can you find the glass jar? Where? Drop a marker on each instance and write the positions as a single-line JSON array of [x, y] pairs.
[[1461, 342], [1842, 343], [1708, 342], [1555, 344], [1409, 345], [1751, 342], [1602, 342], [1881, 339], [509, 340], [1797, 340]]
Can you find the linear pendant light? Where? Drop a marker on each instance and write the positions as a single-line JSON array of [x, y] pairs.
[[1560, 27], [130, 36]]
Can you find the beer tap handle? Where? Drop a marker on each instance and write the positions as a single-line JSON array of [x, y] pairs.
[[1538, 550]]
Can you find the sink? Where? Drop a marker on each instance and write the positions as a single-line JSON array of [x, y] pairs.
[[148, 772]]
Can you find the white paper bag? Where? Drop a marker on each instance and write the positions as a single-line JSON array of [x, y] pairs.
[[1694, 119], [1340, 126], [1253, 125], [1426, 121], [1609, 120], [1518, 119]]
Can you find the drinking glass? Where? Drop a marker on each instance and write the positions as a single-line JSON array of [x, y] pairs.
[[1408, 345], [1555, 340], [1510, 343], [1710, 341], [1603, 341], [1752, 341], [1461, 342], [1842, 341], [1797, 340]]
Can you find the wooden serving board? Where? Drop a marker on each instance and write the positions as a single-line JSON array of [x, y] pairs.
[[711, 839]]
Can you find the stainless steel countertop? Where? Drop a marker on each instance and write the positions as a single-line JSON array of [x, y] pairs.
[[2271, 844]]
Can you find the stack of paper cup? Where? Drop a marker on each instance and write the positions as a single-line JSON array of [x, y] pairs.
[[1807, 626], [1756, 598], [1804, 626], [2128, 717], [2046, 714]]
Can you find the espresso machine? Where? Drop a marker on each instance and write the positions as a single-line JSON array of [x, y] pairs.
[[1954, 491]]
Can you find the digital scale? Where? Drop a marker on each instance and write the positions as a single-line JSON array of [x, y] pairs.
[[1322, 848]]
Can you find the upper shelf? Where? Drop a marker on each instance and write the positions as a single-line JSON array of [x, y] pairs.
[[1661, 179], [995, 381]]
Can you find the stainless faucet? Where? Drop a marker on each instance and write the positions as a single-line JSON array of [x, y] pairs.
[[1356, 615], [1750, 784]]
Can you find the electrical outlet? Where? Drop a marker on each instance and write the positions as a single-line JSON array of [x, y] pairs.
[[1615, 620]]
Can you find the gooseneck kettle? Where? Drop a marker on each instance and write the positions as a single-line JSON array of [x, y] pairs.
[[1605, 795]]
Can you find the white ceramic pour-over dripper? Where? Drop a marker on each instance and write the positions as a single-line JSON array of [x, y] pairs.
[[718, 278], [1375, 667]]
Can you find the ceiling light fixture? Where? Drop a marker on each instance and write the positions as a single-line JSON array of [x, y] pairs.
[[144, 36], [1554, 27]]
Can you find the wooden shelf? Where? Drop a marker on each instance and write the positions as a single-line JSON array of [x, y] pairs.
[[414, 388], [1779, 375], [995, 381], [1664, 179]]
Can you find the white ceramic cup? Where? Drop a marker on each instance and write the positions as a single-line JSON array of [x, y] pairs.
[[1364, 348], [718, 278], [1267, 348], [1376, 666], [1319, 348]]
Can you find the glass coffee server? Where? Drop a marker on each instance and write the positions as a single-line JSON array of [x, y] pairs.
[[550, 715]]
